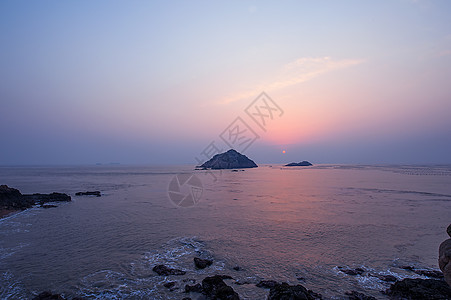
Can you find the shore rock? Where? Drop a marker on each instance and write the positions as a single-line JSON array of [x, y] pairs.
[[229, 160], [88, 193], [419, 289], [267, 284], [352, 272], [202, 263], [353, 295], [11, 198], [386, 278], [299, 164], [196, 288], [50, 296], [444, 260], [284, 291], [214, 287], [165, 271]]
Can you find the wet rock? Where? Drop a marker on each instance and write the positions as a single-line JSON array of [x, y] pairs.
[[88, 193], [169, 285], [48, 206], [299, 164], [408, 268], [419, 289], [353, 295], [430, 273], [214, 287], [352, 272], [197, 288], [267, 284], [165, 271], [237, 268], [186, 298], [386, 278], [444, 260], [48, 296], [202, 263], [284, 291], [229, 160]]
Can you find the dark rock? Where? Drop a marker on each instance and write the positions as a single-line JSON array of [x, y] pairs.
[[267, 284], [93, 193], [48, 296], [43, 198], [11, 198], [387, 278], [214, 287], [197, 288], [444, 257], [237, 268], [225, 276], [241, 282], [165, 271], [430, 273], [284, 291], [186, 298], [352, 272], [408, 268], [420, 289], [202, 263], [169, 285], [229, 160], [353, 295], [299, 164], [48, 206]]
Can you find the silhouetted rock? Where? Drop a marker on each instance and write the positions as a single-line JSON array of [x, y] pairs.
[[299, 164], [11, 198], [444, 260], [48, 296], [165, 271], [353, 295], [169, 285], [214, 287], [202, 263], [419, 289], [284, 291], [267, 284], [229, 160], [196, 288], [387, 278], [87, 193], [237, 268], [48, 206], [430, 273], [352, 272]]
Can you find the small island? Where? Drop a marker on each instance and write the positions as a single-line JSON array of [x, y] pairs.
[[299, 164], [231, 159]]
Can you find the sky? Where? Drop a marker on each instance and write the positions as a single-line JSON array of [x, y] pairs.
[[163, 82]]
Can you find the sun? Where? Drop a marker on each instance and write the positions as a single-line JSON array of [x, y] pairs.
[[283, 151]]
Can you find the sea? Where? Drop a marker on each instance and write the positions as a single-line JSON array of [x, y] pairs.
[[300, 225]]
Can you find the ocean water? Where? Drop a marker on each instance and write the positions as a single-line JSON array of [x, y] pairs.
[[286, 224]]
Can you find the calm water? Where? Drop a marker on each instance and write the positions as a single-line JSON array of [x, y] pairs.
[[287, 224]]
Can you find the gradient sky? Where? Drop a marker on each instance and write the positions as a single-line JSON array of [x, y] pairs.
[[84, 82]]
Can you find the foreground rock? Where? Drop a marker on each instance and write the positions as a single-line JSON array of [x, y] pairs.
[[214, 287], [284, 291], [202, 263], [50, 296], [165, 271], [419, 289], [353, 295], [13, 199], [299, 164], [444, 260], [87, 193], [229, 160]]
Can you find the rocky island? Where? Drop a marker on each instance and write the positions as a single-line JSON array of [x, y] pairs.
[[231, 159], [299, 164]]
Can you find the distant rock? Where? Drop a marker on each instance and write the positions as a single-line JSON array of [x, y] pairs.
[[444, 260], [299, 164], [352, 272], [48, 206], [214, 287], [229, 160], [202, 263], [419, 289], [284, 291], [165, 271], [13, 199], [93, 193]]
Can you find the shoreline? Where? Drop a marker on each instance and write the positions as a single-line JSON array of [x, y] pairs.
[[5, 213]]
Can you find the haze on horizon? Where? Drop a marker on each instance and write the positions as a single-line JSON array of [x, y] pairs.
[[155, 82]]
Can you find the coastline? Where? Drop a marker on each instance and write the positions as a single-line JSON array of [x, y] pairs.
[[4, 213]]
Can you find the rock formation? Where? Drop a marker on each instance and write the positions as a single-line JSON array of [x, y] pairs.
[[229, 160], [299, 164], [444, 260]]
